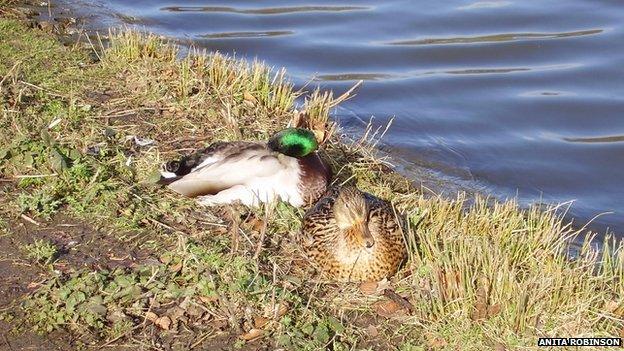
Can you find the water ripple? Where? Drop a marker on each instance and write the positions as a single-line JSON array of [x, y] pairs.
[[542, 93], [348, 76], [604, 139], [235, 35], [263, 11], [487, 70], [485, 5], [496, 38], [353, 76]]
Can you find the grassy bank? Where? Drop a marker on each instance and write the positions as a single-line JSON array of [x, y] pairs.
[[115, 260]]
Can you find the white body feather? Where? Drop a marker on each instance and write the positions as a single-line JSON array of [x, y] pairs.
[[253, 177], [282, 184]]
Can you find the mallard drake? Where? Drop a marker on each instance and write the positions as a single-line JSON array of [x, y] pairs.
[[353, 236], [287, 167]]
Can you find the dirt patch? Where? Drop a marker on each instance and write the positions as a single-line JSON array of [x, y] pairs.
[[15, 273], [79, 245], [31, 341]]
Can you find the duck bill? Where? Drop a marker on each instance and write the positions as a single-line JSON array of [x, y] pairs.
[[364, 234]]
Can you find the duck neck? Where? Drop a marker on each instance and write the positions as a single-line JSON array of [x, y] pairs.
[[314, 175]]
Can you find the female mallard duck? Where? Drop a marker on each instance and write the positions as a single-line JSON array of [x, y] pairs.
[[353, 236], [287, 167]]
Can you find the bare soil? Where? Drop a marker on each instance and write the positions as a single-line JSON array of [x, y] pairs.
[[80, 245]]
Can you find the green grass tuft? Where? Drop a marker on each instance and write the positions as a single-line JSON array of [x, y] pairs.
[[41, 251]]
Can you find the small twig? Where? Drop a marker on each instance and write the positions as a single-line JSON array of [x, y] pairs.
[[149, 309], [202, 339], [233, 227], [346, 96], [316, 287], [100, 40], [9, 72], [241, 231], [28, 219], [119, 115], [151, 279], [6, 341], [228, 306], [93, 47], [119, 337], [35, 176], [200, 138], [43, 89], [157, 222], [274, 285], [262, 233]]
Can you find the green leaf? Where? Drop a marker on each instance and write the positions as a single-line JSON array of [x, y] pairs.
[[89, 318], [124, 281], [98, 309], [47, 139], [28, 159], [64, 293], [286, 320], [335, 325], [307, 328], [5, 153], [284, 340], [70, 303], [80, 296], [110, 132], [74, 154], [321, 334], [154, 177], [59, 162]]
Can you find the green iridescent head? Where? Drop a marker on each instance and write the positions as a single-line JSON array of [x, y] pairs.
[[294, 142]]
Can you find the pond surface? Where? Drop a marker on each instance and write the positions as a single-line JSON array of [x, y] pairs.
[[510, 98]]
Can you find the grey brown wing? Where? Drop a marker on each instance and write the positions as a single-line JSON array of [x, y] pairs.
[[220, 151], [174, 170], [392, 222], [235, 168], [319, 216]]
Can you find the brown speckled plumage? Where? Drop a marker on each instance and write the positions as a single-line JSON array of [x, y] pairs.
[[341, 252]]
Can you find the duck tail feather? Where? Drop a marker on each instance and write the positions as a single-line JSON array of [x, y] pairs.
[[166, 179]]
